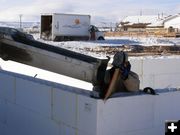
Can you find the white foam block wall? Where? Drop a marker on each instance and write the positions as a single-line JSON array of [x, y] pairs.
[[32, 107], [157, 73], [138, 115], [29, 106]]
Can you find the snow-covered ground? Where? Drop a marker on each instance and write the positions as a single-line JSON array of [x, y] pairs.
[[118, 41], [82, 46]]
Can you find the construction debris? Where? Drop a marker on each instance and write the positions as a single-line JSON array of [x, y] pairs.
[[137, 50]]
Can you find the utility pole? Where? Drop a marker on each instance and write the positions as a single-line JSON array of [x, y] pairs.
[[20, 20]]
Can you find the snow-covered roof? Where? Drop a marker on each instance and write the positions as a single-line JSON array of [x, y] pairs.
[[156, 24], [171, 17], [141, 19], [152, 20]]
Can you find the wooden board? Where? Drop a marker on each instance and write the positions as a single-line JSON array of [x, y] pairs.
[[112, 84]]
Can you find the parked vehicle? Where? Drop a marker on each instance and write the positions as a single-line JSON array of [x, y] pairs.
[[68, 27]]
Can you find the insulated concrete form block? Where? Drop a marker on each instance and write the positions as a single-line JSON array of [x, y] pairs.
[[167, 81], [67, 130], [7, 87], [22, 121], [125, 114], [141, 81], [149, 67], [149, 131], [161, 81], [148, 81], [65, 107], [3, 129], [157, 73], [87, 115], [166, 107], [34, 96], [3, 111], [159, 130], [161, 66], [161, 73], [85, 133], [137, 66]]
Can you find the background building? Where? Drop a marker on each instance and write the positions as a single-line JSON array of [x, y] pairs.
[[144, 22]]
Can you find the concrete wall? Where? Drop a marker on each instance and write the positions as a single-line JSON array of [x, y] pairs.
[[158, 73], [29, 106]]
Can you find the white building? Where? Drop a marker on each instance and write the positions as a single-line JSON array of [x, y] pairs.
[[131, 23], [172, 21], [141, 19]]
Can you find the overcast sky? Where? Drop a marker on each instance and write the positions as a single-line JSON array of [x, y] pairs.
[[100, 10]]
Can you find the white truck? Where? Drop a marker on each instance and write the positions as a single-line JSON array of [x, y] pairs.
[[68, 27]]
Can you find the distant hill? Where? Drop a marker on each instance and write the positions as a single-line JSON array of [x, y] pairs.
[[17, 24]]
